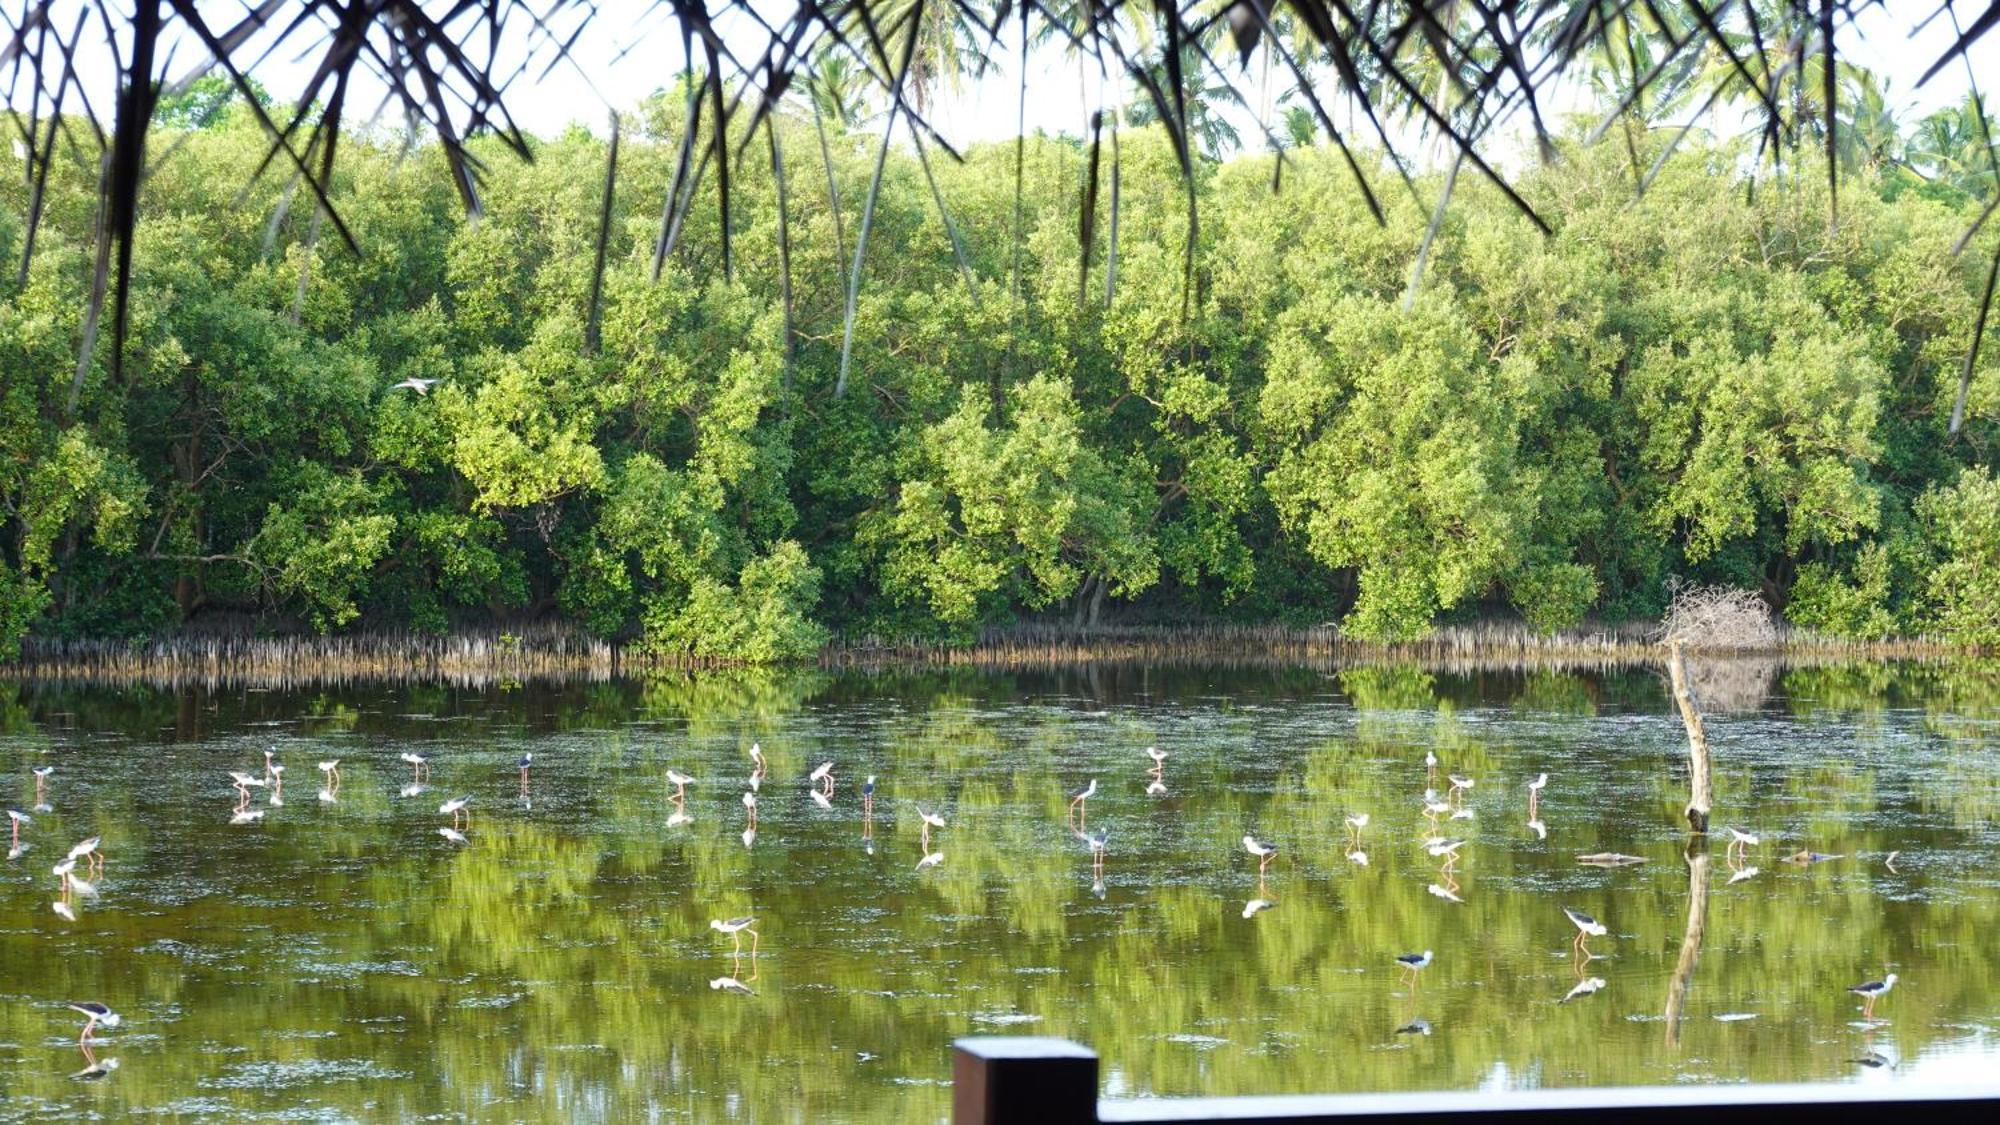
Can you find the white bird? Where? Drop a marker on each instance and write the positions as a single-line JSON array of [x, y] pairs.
[[247, 816], [1158, 755], [419, 765], [455, 809], [245, 781], [1459, 784], [421, 386], [927, 821], [1438, 846], [930, 860], [1537, 785], [1739, 840], [750, 804], [1586, 927], [823, 775], [681, 782], [1433, 806], [88, 850], [452, 834], [731, 984], [15, 819], [331, 768], [1264, 852], [1257, 906], [736, 928], [1430, 760]]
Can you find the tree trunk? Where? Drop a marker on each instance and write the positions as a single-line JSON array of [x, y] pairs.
[[1698, 772]]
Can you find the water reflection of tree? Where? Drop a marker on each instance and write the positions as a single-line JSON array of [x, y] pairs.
[[1697, 926]]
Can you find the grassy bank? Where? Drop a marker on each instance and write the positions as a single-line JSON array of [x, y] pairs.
[[555, 652]]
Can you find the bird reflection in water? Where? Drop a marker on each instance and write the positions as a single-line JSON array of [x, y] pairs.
[[930, 860], [1541, 830], [1158, 772], [1585, 987], [452, 834], [247, 816], [1417, 1026], [410, 790], [1739, 874], [1258, 905], [731, 984], [928, 819], [15, 819], [1074, 816], [868, 814], [42, 788], [1355, 823]]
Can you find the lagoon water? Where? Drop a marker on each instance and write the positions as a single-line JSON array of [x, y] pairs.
[[343, 960]]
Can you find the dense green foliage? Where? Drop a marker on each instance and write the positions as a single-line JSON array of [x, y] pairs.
[[1711, 382]]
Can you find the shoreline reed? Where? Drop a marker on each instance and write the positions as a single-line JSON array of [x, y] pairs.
[[560, 653]]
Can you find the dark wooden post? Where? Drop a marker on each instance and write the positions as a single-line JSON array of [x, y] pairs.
[[1000, 1079]]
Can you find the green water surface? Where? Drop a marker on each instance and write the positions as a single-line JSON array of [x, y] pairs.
[[342, 960]]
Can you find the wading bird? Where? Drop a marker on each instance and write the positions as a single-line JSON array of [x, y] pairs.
[[330, 771], [15, 819], [1739, 840], [931, 860], [420, 766], [62, 871], [455, 809], [1872, 991], [1458, 786], [88, 849], [756, 764], [1074, 817], [1413, 963], [1355, 823], [1097, 840], [1535, 788], [822, 775], [1434, 808], [526, 761], [96, 1013], [1586, 928], [750, 806], [1264, 852], [1430, 763], [868, 798], [928, 820], [42, 787], [681, 782], [270, 763], [736, 928]]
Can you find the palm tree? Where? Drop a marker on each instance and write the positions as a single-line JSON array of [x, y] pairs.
[[1870, 139], [1207, 129], [1951, 147], [841, 90]]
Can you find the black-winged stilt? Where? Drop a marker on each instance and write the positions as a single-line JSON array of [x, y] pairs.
[[1586, 928], [1355, 823], [455, 809], [1739, 841], [680, 781], [1264, 852], [1413, 963], [88, 849], [420, 766], [97, 1014], [927, 819], [1074, 816], [1872, 991], [822, 776], [16, 819], [736, 928]]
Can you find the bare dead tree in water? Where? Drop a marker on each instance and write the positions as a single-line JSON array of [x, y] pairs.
[[1697, 735], [1414, 75]]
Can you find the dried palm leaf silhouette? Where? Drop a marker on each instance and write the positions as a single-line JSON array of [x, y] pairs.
[[1436, 76]]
